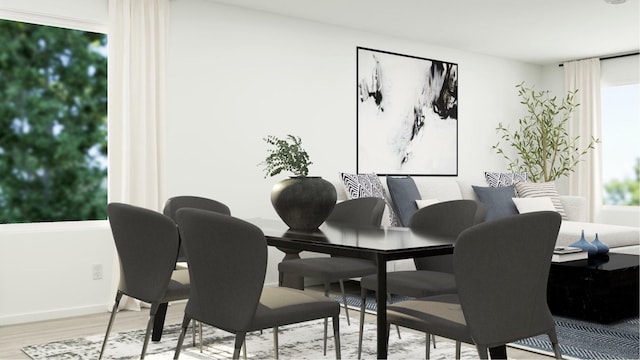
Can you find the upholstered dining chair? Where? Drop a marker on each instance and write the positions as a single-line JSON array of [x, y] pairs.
[[227, 264], [147, 246], [501, 269], [433, 275], [366, 211], [171, 206]]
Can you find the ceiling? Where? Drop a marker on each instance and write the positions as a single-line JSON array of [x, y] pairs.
[[533, 31]]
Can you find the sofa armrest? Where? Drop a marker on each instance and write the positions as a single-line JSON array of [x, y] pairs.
[[575, 207]]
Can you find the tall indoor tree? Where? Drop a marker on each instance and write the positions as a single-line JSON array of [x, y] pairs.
[[542, 144]]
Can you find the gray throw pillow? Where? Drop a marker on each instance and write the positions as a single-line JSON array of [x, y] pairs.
[[497, 201], [404, 193]]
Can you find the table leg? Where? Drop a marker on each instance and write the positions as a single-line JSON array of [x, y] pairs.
[[381, 309], [289, 280], [158, 322]]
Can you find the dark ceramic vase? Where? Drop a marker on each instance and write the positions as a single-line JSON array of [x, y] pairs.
[[303, 203]]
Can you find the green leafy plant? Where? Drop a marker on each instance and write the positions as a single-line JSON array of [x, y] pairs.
[[286, 155], [544, 148]]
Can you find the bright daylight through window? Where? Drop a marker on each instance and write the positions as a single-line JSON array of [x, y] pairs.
[[620, 146], [53, 123]]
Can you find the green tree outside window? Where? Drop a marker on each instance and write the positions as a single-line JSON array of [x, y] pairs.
[[53, 124]]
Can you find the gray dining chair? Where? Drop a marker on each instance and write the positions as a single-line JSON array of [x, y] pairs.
[[227, 264], [171, 207], [501, 269], [366, 211], [173, 204], [434, 274], [147, 246]]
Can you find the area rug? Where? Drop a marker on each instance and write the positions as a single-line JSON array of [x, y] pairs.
[[578, 339], [299, 341]]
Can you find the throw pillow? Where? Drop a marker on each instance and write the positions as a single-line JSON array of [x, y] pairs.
[[426, 202], [498, 179], [404, 193], [547, 189], [368, 185], [497, 201], [526, 205]]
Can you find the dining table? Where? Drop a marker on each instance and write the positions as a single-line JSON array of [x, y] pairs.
[[379, 244]]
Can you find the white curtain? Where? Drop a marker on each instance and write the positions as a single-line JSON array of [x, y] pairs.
[[137, 62], [586, 181]]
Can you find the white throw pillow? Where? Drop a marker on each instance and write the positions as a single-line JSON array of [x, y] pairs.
[[426, 202], [526, 205]]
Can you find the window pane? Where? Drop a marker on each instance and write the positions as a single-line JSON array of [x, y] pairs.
[[620, 144], [53, 123]]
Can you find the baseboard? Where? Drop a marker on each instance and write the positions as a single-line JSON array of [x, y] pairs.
[[52, 314]]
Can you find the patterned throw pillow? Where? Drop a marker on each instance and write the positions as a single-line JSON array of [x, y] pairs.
[[368, 185], [547, 189], [498, 179]]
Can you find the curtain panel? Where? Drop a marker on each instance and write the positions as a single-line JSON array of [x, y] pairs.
[[586, 181], [137, 66]]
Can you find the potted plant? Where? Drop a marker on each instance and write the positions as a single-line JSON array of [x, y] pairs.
[[303, 202], [544, 148]]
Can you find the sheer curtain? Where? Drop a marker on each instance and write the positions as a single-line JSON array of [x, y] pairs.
[[137, 62], [586, 181]]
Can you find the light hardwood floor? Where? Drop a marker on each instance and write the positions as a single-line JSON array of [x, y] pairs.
[[15, 337]]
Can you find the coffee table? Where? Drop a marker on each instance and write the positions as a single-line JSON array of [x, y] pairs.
[[602, 289]]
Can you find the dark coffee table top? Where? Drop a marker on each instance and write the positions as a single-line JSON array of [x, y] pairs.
[[614, 262]]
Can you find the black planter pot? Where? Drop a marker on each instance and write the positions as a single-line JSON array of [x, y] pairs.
[[303, 203]]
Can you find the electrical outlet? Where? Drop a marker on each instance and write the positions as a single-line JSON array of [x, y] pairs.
[[96, 270]]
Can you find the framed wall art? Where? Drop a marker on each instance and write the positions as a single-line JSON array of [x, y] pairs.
[[407, 114]]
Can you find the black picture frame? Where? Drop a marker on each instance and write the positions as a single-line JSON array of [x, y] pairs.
[[407, 114]]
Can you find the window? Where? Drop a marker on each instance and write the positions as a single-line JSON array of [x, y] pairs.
[[53, 123], [620, 147]]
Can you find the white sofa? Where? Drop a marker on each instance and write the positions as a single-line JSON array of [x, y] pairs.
[[624, 239]]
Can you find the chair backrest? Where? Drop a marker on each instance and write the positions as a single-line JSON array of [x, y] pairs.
[[365, 211], [501, 269], [147, 245], [448, 218], [173, 204], [227, 267]]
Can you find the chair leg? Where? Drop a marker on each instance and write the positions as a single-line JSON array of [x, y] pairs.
[[111, 319], [397, 327], [275, 341], [150, 324], [363, 305], [482, 351], [427, 351], [433, 338], [553, 337], [238, 344], [327, 286], [185, 324], [200, 331], [458, 349], [344, 300], [336, 335]]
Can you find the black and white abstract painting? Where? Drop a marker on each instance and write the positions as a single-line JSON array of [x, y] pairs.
[[407, 114]]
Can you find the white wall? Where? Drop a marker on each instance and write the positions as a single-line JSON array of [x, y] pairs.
[[235, 76]]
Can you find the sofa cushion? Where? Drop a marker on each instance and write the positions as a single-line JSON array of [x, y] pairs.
[[368, 185], [426, 202], [526, 205], [497, 201], [546, 189], [498, 179], [404, 193]]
